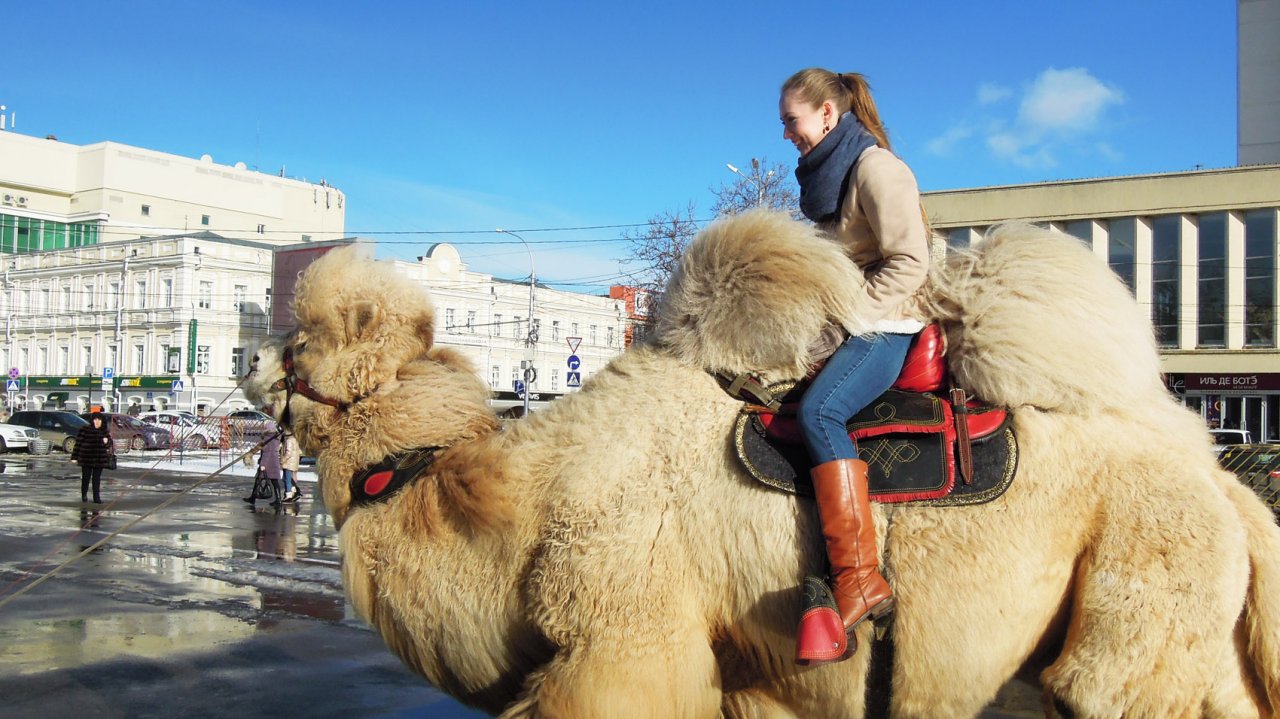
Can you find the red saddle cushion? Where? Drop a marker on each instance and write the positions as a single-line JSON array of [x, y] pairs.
[[925, 366]]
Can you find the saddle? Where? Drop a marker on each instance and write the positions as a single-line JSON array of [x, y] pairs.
[[917, 439]]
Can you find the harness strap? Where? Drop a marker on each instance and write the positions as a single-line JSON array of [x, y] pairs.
[[384, 479], [746, 388], [960, 410]]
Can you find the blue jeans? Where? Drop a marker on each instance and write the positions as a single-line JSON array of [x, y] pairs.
[[288, 480], [859, 371]]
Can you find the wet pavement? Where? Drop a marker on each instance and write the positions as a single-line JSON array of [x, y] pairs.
[[206, 607]]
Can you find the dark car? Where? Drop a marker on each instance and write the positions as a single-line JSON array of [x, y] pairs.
[[58, 426], [130, 433]]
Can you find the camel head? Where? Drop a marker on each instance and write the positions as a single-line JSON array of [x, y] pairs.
[[358, 380], [753, 291]]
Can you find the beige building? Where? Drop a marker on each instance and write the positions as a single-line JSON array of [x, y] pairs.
[[1258, 77], [55, 195], [1199, 249]]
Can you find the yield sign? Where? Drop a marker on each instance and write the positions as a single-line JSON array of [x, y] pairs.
[[573, 344]]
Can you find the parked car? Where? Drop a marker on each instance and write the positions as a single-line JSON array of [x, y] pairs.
[[14, 436], [58, 426], [1258, 466], [185, 428], [249, 425], [1223, 438], [128, 433]]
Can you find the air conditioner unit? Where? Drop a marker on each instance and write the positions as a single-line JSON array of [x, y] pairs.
[[8, 199], [22, 200]]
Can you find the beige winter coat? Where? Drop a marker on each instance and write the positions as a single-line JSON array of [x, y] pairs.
[[290, 455], [883, 232]]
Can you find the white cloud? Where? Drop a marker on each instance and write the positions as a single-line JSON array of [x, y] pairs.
[[1066, 101], [990, 93], [947, 141]]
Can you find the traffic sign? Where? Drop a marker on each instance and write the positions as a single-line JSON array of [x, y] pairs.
[[108, 373], [574, 379], [14, 373], [573, 344], [574, 362], [11, 385], [177, 386], [518, 386]]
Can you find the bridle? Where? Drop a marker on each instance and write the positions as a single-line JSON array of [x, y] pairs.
[[292, 383]]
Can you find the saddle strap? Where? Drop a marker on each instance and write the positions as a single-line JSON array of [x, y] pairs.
[[745, 388], [960, 409]]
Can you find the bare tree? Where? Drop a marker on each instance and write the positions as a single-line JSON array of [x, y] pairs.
[[656, 250], [758, 186]]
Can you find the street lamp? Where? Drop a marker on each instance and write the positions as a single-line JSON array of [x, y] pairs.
[[754, 178], [529, 373]]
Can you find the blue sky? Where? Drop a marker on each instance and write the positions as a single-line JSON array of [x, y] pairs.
[[442, 121]]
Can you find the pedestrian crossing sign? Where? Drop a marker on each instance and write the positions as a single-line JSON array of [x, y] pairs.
[[574, 379], [11, 385]]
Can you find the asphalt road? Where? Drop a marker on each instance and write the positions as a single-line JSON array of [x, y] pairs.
[[207, 607]]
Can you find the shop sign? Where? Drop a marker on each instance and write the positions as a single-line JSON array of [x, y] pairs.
[[1229, 382]]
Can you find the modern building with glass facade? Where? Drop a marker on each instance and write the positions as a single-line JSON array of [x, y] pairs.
[[1199, 249]]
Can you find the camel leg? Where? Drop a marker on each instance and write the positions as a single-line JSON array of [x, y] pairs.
[[603, 679], [1155, 604]]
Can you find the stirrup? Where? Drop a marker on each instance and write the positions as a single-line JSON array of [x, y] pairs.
[[821, 637]]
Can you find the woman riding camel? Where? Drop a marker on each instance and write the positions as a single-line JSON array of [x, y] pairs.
[[852, 185]]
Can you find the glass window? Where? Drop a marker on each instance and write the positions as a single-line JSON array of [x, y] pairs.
[[237, 361], [86, 296], [139, 294], [1166, 278], [591, 334], [1260, 278], [496, 328], [146, 210], [166, 292], [1211, 268], [448, 319], [515, 327], [555, 329], [202, 359], [1083, 230], [206, 295], [204, 219], [1122, 236], [495, 373], [139, 357], [239, 296], [113, 295], [471, 321]]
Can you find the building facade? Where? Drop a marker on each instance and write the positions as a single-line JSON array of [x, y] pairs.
[[1199, 249], [1258, 78]]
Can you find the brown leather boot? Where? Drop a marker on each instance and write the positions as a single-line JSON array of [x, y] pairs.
[[840, 488]]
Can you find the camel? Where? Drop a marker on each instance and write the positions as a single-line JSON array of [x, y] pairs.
[[608, 557]]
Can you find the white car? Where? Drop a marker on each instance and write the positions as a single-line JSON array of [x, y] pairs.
[[1223, 438], [15, 436], [185, 428]]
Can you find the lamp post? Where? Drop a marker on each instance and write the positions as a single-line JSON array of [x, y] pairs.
[[754, 178], [530, 374]]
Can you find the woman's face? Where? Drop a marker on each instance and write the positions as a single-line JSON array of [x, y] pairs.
[[804, 124], [97, 423]]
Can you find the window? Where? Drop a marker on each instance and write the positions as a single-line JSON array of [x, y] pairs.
[[239, 298], [42, 358], [65, 304], [113, 356], [306, 238], [1166, 279], [45, 305], [166, 292], [146, 210], [1260, 279], [555, 329], [86, 359], [495, 374], [140, 294], [86, 296], [205, 300], [958, 237], [136, 364], [1211, 268], [515, 376], [113, 295], [495, 329], [471, 321], [237, 362], [534, 331], [64, 360], [1082, 230], [555, 379], [608, 336], [448, 319], [591, 334], [1121, 239], [515, 327], [202, 359], [204, 220], [262, 229]]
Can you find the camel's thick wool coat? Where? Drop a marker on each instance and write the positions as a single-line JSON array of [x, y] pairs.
[[608, 558]]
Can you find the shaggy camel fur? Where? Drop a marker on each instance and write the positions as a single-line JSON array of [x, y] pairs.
[[608, 558]]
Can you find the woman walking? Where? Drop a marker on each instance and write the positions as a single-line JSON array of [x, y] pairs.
[[93, 452], [290, 458]]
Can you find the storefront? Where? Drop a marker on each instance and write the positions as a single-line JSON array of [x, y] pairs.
[[1249, 401], [80, 392]]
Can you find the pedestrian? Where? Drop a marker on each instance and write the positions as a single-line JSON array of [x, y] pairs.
[[866, 198], [290, 458], [269, 468], [135, 409], [93, 451]]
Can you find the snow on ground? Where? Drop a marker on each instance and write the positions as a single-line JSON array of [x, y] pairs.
[[200, 462]]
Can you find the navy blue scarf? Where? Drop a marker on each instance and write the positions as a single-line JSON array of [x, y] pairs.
[[823, 172]]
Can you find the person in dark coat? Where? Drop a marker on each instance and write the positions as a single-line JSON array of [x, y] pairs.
[[269, 469], [93, 452]]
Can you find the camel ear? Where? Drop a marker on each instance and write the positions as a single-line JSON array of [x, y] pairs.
[[361, 318]]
